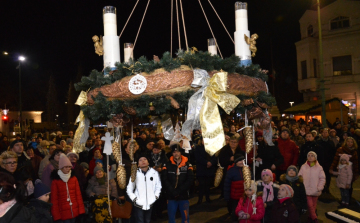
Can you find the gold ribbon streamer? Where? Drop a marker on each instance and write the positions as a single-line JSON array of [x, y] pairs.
[[210, 120], [81, 133]]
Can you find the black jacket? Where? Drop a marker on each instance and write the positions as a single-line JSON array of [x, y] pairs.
[[311, 146], [285, 212], [329, 152], [25, 168], [202, 157], [177, 185], [270, 155], [163, 159], [41, 210], [225, 155], [299, 197], [18, 214]]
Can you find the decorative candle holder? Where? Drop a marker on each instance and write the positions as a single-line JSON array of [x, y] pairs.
[[242, 49], [111, 43], [128, 52], [212, 46]]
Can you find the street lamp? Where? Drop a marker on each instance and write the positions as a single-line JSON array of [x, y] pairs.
[[21, 58], [5, 53]]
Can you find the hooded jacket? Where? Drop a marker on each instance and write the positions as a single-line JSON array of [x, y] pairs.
[[177, 179], [314, 178], [353, 159], [145, 190], [344, 176], [290, 151], [61, 209]]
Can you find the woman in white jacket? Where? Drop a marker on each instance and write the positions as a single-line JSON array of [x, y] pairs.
[[144, 191]]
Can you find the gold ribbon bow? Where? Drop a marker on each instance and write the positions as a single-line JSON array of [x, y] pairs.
[[211, 125], [82, 132]]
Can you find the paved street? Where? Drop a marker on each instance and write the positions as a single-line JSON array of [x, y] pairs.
[[216, 211]]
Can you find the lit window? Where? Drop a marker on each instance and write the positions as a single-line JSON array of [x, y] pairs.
[[340, 22], [310, 31], [342, 65]]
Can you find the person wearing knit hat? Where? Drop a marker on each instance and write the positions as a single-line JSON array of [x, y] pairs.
[[284, 209], [250, 207], [270, 191], [65, 193], [285, 130], [40, 203], [344, 178], [314, 182], [97, 156]]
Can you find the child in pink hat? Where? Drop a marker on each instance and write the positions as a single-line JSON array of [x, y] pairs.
[[344, 177]]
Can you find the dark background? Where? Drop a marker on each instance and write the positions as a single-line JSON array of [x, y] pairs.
[[55, 38]]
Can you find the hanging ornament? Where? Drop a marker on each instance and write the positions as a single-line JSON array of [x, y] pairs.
[[119, 120], [116, 151], [82, 132], [218, 175], [177, 137], [132, 146], [247, 176], [248, 139], [158, 129], [167, 128], [121, 176], [133, 171], [129, 110], [137, 84], [107, 147]]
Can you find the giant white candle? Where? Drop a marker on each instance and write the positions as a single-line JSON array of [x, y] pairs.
[[110, 28], [111, 43], [241, 20], [128, 52], [212, 47], [242, 49]]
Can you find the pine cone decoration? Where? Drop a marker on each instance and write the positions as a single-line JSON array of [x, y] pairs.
[[121, 176], [129, 110], [116, 151], [133, 172], [132, 149], [247, 177], [218, 176], [248, 139]]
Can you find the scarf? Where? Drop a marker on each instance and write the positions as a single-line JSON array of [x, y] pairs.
[[5, 207], [101, 180], [156, 158], [342, 166], [65, 177], [292, 179], [55, 164], [311, 164], [267, 197], [283, 199]]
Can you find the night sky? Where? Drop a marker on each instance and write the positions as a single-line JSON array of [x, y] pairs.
[[55, 37]]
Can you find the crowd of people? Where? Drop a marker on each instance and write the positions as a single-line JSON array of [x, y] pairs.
[[46, 181]]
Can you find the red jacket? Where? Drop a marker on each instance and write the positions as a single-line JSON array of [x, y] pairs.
[[290, 151], [61, 209], [248, 208]]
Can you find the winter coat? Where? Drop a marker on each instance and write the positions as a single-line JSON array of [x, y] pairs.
[[163, 159], [260, 188], [285, 212], [248, 208], [270, 155], [353, 159], [299, 140], [41, 210], [234, 184], [61, 209], [225, 155], [314, 178], [80, 175], [25, 168], [329, 152], [145, 190], [18, 214], [344, 176], [290, 151], [45, 178], [177, 185], [35, 162], [299, 197], [97, 189], [202, 157], [44, 162], [311, 146]]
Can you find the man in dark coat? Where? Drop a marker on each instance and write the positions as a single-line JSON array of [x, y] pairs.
[[226, 157], [24, 167], [329, 151], [142, 141], [284, 210], [311, 145], [177, 177]]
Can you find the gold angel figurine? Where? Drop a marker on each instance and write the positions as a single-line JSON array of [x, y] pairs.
[[252, 42], [98, 44]]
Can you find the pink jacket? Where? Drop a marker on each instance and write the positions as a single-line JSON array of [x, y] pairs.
[[248, 208], [345, 175], [314, 178]]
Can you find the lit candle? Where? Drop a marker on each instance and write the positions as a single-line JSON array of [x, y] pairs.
[[212, 47], [111, 43], [128, 52], [242, 49]]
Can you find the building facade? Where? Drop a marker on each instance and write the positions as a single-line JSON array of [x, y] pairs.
[[340, 25]]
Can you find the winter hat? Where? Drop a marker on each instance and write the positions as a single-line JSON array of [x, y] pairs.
[[345, 157], [99, 161], [14, 142], [294, 168], [98, 168], [268, 172], [84, 165], [175, 147], [332, 130], [289, 190], [40, 189], [238, 157], [64, 161], [314, 131], [312, 152], [72, 153], [44, 143], [285, 130], [142, 155]]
